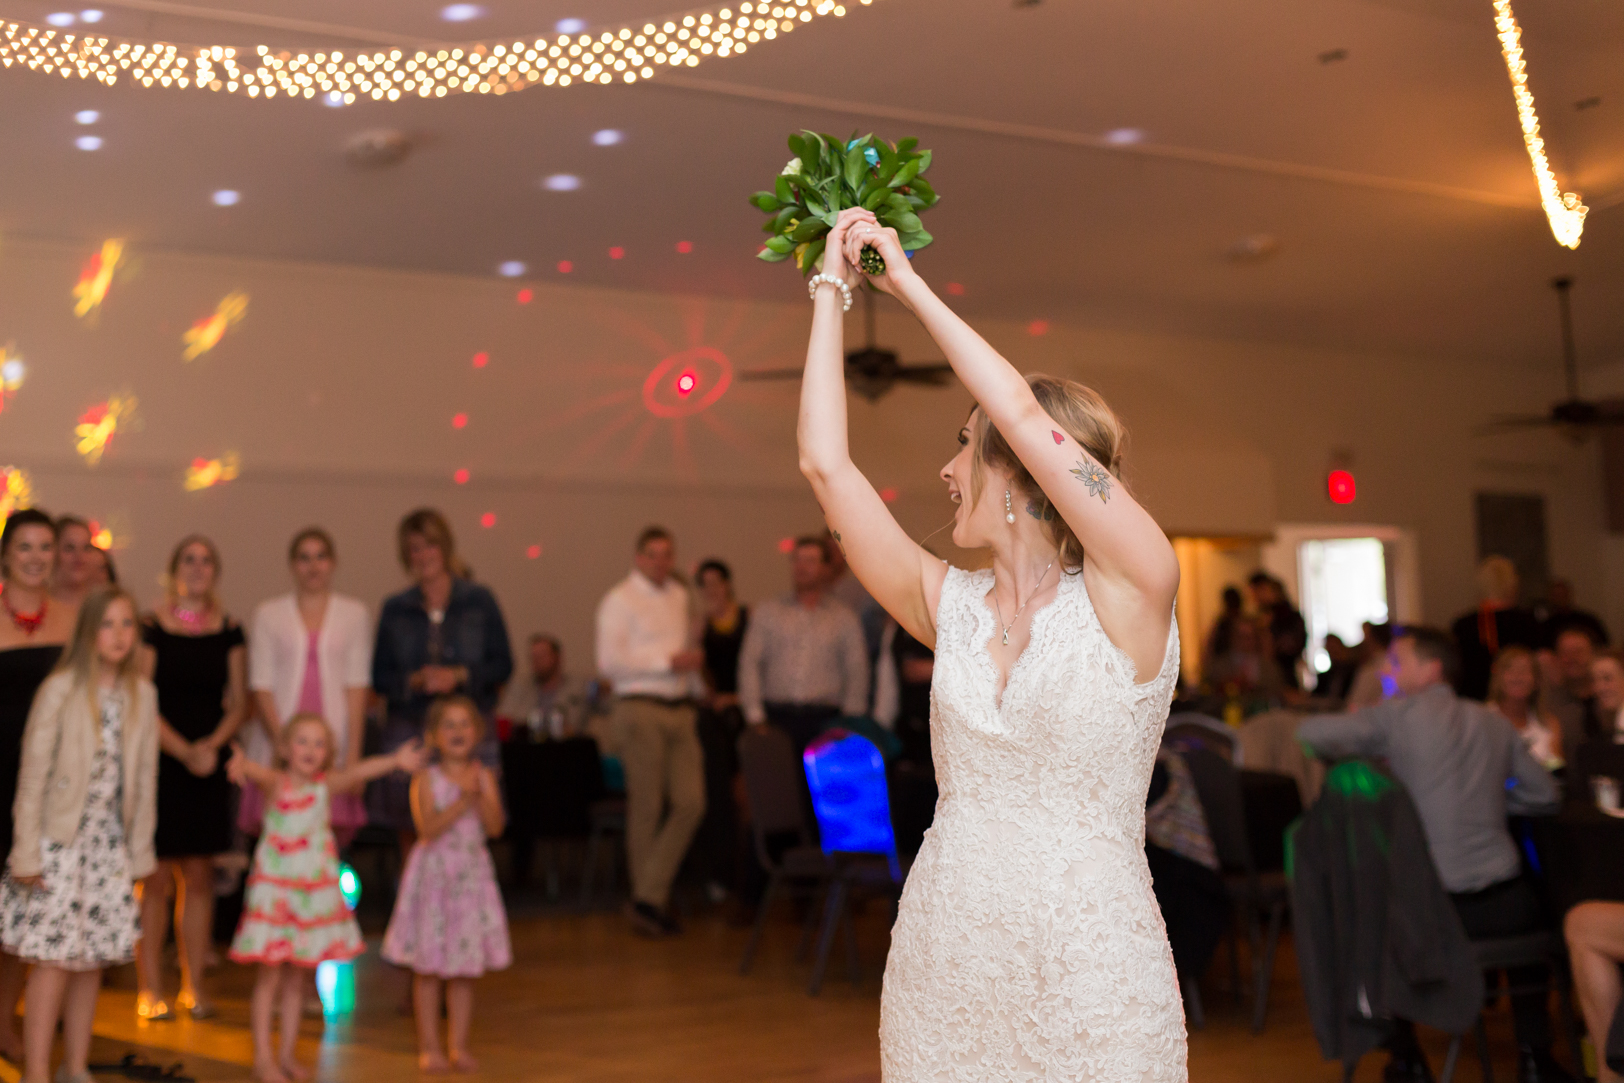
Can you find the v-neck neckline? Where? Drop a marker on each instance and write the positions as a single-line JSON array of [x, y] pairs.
[[983, 644]]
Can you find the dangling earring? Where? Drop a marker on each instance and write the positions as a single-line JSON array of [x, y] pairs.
[[1009, 508]]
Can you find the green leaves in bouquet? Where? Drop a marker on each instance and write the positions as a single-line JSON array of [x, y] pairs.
[[828, 175]]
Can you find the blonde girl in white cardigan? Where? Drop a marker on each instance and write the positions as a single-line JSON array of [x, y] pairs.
[[85, 811]]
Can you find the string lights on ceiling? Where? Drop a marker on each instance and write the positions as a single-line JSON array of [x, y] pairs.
[[1563, 209], [621, 54]]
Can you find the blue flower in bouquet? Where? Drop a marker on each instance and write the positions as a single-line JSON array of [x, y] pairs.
[[870, 155]]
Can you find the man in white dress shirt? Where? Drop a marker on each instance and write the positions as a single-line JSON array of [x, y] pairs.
[[646, 650]]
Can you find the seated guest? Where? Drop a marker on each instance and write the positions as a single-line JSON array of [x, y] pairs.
[[1607, 682], [805, 662], [1558, 614], [1466, 769], [1496, 623], [1567, 692], [1368, 687], [1595, 934], [1514, 695], [547, 701], [1248, 667], [1335, 682]]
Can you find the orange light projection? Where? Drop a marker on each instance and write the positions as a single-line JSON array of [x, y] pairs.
[[206, 333], [98, 424], [96, 277], [16, 491], [207, 473]]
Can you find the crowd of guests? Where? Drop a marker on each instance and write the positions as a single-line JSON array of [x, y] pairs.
[[1503, 716], [215, 733]]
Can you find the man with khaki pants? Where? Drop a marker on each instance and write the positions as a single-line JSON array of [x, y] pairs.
[[646, 650]]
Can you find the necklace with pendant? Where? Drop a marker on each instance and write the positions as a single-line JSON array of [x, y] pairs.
[[27, 623], [1000, 610]]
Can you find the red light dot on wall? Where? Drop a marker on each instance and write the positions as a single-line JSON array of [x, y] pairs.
[[481, 359], [534, 552], [888, 495], [1037, 327], [565, 266], [685, 247], [460, 477], [459, 421], [526, 296], [786, 545], [1340, 487], [488, 520], [686, 384], [617, 252], [956, 289]]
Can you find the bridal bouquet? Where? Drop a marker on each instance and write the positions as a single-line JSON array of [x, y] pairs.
[[827, 176]]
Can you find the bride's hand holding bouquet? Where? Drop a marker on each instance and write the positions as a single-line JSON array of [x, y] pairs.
[[858, 230]]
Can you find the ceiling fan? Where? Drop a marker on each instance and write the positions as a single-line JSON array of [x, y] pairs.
[[1573, 415], [870, 371]]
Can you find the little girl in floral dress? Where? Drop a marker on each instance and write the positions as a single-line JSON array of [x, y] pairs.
[[294, 914], [449, 926], [85, 810]]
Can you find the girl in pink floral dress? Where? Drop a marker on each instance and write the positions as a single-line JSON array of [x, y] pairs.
[[449, 926], [294, 914]]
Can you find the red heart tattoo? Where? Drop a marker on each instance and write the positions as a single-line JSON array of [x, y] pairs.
[[1057, 437]]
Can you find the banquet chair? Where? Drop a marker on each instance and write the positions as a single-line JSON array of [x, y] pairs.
[[1256, 895], [1503, 953], [1192, 727], [783, 841], [607, 831], [845, 773]]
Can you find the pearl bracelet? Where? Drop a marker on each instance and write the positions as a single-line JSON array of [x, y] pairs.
[[817, 280]]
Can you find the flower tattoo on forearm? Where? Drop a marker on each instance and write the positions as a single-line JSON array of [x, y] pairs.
[[1096, 477]]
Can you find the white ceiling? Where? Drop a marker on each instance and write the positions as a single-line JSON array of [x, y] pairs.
[[1035, 223]]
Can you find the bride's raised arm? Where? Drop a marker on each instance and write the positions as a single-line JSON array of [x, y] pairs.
[[902, 577], [1130, 569]]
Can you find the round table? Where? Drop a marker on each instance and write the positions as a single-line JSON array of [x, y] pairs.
[[1580, 856]]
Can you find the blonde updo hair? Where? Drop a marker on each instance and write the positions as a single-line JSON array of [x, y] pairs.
[[1080, 413]]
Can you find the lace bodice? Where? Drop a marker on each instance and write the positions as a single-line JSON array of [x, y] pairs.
[[1029, 945]]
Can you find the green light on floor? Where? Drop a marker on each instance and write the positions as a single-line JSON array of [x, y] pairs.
[[335, 984], [349, 885]]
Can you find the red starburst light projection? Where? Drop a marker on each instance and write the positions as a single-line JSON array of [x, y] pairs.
[[617, 252], [955, 289], [685, 247], [565, 266], [488, 520], [1340, 486], [460, 477], [1037, 328], [459, 421], [702, 376], [888, 495], [526, 296], [534, 552], [786, 545], [481, 359]]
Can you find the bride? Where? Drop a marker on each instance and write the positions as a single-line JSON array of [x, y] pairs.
[[1028, 945]]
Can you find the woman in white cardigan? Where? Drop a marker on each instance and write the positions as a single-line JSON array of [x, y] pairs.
[[310, 651]]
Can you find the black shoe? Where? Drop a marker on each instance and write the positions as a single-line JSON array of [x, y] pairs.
[[1407, 1068], [647, 921], [668, 921], [1538, 1066]]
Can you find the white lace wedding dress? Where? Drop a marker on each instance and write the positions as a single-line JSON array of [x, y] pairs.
[[1029, 946]]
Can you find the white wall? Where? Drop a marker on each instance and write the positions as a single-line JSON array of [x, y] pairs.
[[338, 390]]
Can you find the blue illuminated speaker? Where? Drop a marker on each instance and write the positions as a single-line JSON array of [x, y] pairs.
[[846, 775]]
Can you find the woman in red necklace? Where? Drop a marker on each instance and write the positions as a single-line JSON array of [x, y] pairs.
[[33, 630]]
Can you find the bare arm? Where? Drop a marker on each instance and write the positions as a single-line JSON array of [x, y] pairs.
[[433, 822], [409, 757], [491, 816], [902, 577], [268, 716], [169, 738], [1131, 572], [241, 769], [239, 705]]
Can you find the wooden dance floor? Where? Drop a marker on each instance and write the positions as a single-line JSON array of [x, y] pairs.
[[586, 1002]]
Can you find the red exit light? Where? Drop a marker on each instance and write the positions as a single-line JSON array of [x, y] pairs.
[[1340, 487]]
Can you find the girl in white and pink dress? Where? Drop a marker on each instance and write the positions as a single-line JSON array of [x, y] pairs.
[[449, 926]]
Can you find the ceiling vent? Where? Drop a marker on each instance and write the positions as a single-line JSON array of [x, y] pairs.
[[377, 147]]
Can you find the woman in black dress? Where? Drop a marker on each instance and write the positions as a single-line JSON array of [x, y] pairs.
[[197, 657], [31, 639], [720, 722]]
